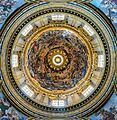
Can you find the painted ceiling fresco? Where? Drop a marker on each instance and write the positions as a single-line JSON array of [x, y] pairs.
[[52, 70], [56, 60]]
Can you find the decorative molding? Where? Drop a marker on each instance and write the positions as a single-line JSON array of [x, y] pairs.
[[0, 84], [115, 82], [33, 118], [78, 117], [116, 63], [59, 1]]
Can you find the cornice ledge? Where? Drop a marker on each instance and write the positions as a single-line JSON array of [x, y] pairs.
[[58, 1]]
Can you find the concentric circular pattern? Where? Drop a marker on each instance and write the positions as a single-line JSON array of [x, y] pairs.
[[58, 60]]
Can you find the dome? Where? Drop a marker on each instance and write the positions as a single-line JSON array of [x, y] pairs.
[[57, 59]]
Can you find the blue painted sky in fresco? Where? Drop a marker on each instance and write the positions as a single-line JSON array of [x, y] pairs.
[[111, 102], [20, 114], [19, 3], [113, 99], [96, 2]]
